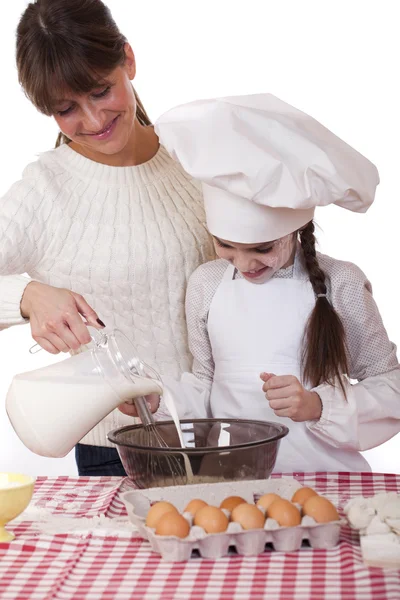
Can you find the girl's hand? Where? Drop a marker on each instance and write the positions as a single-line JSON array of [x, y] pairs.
[[128, 408], [55, 316], [288, 398]]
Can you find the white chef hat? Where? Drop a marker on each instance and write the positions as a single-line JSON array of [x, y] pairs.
[[264, 165]]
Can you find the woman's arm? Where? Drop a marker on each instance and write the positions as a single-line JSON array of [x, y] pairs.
[[54, 314], [12, 288], [18, 250], [370, 415]]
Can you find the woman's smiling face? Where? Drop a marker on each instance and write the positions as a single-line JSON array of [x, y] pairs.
[[103, 119], [258, 262]]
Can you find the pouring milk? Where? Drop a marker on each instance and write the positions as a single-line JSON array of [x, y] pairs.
[[52, 414], [53, 408]]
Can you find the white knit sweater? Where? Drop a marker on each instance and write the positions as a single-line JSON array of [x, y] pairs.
[[126, 238]]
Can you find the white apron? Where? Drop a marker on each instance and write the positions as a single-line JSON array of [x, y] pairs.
[[255, 328]]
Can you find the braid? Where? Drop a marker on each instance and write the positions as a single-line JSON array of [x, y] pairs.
[[324, 353], [315, 273]]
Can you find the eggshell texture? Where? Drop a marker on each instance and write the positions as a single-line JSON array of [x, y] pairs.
[[266, 500], [320, 509], [211, 519], [248, 516], [194, 505], [301, 495], [157, 511], [231, 502], [172, 523], [284, 512]]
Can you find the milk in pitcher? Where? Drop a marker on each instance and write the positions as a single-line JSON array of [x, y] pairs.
[[53, 408]]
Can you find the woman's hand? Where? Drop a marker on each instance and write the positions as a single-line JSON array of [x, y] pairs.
[[55, 316], [128, 408], [288, 398]]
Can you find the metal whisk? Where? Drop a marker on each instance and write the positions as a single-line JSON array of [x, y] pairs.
[[171, 467]]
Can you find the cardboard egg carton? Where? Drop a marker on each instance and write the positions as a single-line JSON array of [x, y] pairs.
[[246, 543]]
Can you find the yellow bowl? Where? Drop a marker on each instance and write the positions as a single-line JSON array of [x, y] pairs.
[[15, 494]]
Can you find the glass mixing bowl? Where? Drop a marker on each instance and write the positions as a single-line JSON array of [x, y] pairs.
[[217, 449]]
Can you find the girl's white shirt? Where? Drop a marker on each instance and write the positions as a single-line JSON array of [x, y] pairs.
[[369, 416]]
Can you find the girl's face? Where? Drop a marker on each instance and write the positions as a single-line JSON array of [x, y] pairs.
[[258, 262], [101, 121]]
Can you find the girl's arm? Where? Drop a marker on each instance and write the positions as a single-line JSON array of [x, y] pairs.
[[192, 392], [370, 415]]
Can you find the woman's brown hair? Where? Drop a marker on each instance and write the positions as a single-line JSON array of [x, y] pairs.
[[324, 354], [68, 45]]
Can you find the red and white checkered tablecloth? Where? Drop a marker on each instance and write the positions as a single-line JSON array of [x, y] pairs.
[[91, 566]]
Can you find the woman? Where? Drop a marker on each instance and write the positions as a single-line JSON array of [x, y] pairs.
[[107, 225]]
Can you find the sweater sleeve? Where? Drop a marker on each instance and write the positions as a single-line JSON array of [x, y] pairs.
[[12, 288], [370, 414], [17, 248]]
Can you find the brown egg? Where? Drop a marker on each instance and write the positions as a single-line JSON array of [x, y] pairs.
[[194, 506], [172, 523], [157, 511], [266, 500], [301, 495], [284, 512], [211, 519], [248, 516], [232, 501], [320, 509]]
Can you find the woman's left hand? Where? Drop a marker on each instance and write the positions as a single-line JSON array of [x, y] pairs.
[[288, 398]]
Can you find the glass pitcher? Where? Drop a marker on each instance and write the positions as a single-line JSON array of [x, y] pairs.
[[52, 408]]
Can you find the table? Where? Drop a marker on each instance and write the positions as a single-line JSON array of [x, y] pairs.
[[118, 565]]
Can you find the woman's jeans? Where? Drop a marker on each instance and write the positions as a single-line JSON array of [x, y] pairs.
[[98, 460]]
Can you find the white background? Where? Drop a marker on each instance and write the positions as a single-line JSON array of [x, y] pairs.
[[337, 60]]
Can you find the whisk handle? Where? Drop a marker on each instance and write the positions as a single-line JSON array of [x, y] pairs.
[[143, 411]]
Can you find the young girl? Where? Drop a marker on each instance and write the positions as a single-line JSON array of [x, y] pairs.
[[271, 306]]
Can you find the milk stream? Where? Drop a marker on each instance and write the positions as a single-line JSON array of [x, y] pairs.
[[170, 404]]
